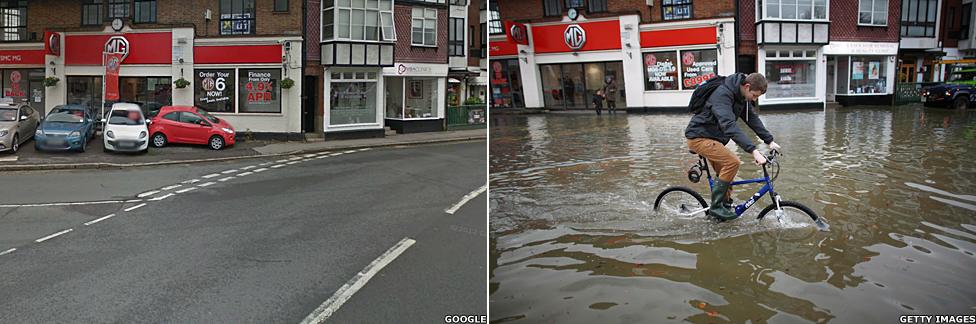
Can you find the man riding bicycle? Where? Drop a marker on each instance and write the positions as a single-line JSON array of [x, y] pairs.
[[712, 127]]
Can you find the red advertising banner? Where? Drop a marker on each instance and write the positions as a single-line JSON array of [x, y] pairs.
[[52, 43], [113, 61], [590, 36], [142, 48], [237, 54], [502, 48], [679, 37], [516, 32], [32, 57]]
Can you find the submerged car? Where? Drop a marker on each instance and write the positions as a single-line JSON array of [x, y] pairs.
[[958, 92], [190, 125], [125, 129], [17, 125], [66, 127]]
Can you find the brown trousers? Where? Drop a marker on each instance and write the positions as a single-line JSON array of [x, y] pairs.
[[723, 161]]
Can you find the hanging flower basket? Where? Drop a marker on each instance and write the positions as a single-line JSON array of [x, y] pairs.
[[51, 81], [287, 83], [181, 83]]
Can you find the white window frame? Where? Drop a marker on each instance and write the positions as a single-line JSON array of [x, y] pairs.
[[386, 28], [377, 76], [766, 59], [874, 3], [423, 23], [760, 7]]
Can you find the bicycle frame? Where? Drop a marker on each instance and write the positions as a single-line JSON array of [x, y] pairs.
[[766, 188]]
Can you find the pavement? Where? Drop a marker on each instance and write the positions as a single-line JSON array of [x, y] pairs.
[[267, 239], [94, 157]]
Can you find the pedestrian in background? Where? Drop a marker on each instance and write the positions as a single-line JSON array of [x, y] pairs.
[[610, 92], [598, 101]]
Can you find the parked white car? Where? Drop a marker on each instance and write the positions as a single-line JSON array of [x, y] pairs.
[[125, 129]]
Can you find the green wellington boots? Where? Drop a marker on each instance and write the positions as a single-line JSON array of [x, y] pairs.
[[717, 209]]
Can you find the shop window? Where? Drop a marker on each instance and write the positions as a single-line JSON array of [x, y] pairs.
[[353, 98], [258, 91], [791, 77], [150, 92], [85, 90], [434, 1], [119, 8], [676, 9], [455, 38], [794, 9], [597, 6], [494, 19], [215, 89], [661, 71], [145, 11], [237, 17], [552, 7], [91, 12], [964, 21], [423, 27], [697, 67], [869, 74], [13, 20], [409, 98], [918, 18], [358, 20], [873, 13], [281, 5]]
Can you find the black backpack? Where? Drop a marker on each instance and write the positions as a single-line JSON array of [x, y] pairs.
[[701, 94]]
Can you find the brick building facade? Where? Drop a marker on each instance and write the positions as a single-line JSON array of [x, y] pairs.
[[162, 41]]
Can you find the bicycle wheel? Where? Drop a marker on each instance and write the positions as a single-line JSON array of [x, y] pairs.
[[681, 201], [794, 215]]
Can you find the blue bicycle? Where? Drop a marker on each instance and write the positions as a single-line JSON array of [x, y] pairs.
[[687, 202]]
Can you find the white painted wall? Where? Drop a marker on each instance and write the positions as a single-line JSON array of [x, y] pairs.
[[631, 57], [56, 95], [185, 69]]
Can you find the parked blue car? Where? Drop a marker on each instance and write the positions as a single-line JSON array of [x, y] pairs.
[[66, 128]]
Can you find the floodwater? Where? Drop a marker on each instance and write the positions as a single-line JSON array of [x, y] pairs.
[[575, 239]]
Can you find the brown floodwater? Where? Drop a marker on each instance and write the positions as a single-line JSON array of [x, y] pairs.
[[575, 239]]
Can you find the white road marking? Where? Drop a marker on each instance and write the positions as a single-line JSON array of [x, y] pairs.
[[335, 154], [265, 163], [229, 171], [227, 178], [65, 204], [190, 181], [350, 151], [206, 184], [330, 306], [292, 162], [147, 193], [187, 189], [211, 175], [171, 187], [53, 235], [277, 166], [365, 149], [100, 219], [249, 167], [245, 174], [295, 158], [162, 197], [321, 156], [133, 201], [8, 251], [310, 155], [466, 199], [134, 207], [260, 170], [282, 160], [9, 159]]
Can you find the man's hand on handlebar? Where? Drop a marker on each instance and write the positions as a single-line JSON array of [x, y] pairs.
[[760, 158], [773, 146]]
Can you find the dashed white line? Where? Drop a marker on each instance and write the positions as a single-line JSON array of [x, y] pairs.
[[162, 197], [53, 235], [134, 207], [133, 201], [321, 156], [365, 149], [265, 163], [186, 190], [292, 162], [295, 158], [147, 193], [282, 160], [278, 166], [330, 306], [191, 181], [350, 151], [171, 187], [229, 171], [260, 170], [249, 167], [245, 174], [8, 251], [310, 155], [227, 178], [466, 199], [100, 219], [211, 175], [206, 184]]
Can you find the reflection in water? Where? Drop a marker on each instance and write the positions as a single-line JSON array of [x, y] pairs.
[[575, 239]]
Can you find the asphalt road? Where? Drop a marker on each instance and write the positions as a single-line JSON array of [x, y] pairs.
[[248, 246]]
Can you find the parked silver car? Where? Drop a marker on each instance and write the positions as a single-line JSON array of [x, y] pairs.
[[17, 125]]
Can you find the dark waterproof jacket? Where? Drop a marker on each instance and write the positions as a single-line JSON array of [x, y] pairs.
[[718, 119]]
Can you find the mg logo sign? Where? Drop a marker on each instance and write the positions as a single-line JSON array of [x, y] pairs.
[[575, 37], [518, 34], [119, 45]]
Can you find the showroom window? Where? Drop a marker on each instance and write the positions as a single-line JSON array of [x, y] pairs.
[[409, 98], [215, 89], [791, 73], [661, 69], [258, 91], [352, 98], [869, 75]]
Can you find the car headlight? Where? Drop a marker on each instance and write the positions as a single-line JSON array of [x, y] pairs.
[[4, 132], [142, 135], [948, 93], [109, 134], [38, 132], [74, 134], [228, 130]]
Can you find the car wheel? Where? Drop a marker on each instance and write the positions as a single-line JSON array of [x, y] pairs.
[[15, 145], [216, 142], [961, 102], [158, 140]]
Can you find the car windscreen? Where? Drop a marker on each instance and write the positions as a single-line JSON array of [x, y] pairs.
[[126, 117], [8, 114], [65, 117], [207, 115]]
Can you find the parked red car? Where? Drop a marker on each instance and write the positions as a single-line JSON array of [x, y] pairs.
[[189, 125]]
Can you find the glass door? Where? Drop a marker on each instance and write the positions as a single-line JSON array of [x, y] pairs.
[[595, 73], [552, 86], [574, 86]]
